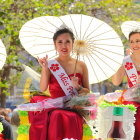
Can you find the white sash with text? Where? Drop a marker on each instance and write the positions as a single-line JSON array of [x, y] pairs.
[[130, 69], [62, 78]]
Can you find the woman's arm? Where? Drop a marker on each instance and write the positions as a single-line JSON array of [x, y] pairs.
[[44, 80], [118, 76], [45, 73], [84, 88], [85, 80]]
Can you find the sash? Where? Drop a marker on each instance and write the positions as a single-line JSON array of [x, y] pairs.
[[130, 69], [62, 78]]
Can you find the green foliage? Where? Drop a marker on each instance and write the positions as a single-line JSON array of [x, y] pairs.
[[3, 84]]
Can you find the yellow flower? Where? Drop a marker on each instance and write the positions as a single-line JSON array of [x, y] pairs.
[[23, 137], [26, 92], [88, 137], [24, 120]]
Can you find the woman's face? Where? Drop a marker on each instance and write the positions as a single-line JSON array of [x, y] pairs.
[[64, 44], [134, 42]]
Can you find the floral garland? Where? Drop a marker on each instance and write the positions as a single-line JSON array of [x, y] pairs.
[[87, 133], [1, 129], [131, 107], [23, 129]]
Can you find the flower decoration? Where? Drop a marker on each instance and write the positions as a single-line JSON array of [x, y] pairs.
[[92, 99], [1, 137], [1, 127], [105, 104], [128, 65], [24, 120], [23, 129], [87, 133], [54, 67], [85, 105], [93, 113], [23, 137]]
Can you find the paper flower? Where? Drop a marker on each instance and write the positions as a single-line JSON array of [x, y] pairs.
[[23, 137], [1, 127], [24, 120], [23, 129]]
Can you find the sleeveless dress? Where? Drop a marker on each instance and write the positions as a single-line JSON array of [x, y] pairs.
[[137, 115], [55, 123]]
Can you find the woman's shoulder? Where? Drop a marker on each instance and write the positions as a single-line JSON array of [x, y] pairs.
[[83, 64], [80, 62]]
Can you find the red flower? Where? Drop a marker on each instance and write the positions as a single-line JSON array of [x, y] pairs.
[[54, 67], [1, 137], [129, 66]]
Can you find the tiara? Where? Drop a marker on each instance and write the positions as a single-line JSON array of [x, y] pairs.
[[63, 26], [135, 30]]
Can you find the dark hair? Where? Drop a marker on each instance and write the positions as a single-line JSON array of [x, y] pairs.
[[4, 113], [62, 31], [15, 120], [134, 32]]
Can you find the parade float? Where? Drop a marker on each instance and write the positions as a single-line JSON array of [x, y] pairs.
[[109, 115], [1, 129], [98, 48]]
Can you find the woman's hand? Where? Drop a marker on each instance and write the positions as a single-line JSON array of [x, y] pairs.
[[138, 80], [74, 81], [43, 61], [129, 52]]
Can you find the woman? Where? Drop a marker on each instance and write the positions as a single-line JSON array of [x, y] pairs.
[[131, 67], [15, 122], [54, 123], [7, 130]]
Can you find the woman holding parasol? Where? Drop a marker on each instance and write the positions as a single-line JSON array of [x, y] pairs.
[[131, 67], [58, 124]]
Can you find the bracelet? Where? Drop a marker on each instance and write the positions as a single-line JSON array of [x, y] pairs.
[[80, 88]]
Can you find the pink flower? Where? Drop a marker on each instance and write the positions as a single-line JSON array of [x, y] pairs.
[[93, 113], [92, 99]]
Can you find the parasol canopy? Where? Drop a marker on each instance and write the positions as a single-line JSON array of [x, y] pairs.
[[97, 43], [128, 26]]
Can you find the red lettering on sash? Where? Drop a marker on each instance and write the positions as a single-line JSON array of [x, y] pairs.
[[133, 77], [64, 79], [70, 88]]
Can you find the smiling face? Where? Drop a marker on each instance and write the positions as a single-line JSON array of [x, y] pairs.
[[64, 44], [134, 42]]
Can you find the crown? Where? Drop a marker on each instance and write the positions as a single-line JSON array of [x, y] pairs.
[[63, 26]]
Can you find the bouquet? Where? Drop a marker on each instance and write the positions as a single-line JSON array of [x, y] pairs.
[[133, 94], [85, 105]]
